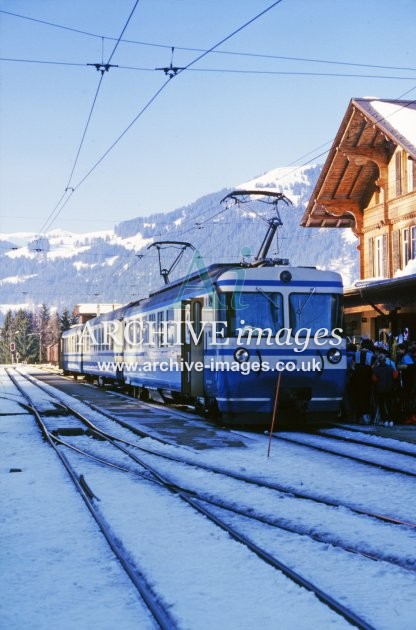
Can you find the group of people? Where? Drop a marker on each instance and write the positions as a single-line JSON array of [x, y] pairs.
[[381, 385]]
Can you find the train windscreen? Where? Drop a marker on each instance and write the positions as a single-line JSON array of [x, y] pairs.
[[247, 311], [313, 311]]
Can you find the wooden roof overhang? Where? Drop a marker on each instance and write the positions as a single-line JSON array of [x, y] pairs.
[[355, 167], [389, 295]]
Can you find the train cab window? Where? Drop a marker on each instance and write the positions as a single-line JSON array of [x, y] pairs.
[[257, 310], [313, 311]]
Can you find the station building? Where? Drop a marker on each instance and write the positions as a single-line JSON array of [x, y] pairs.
[[368, 183]]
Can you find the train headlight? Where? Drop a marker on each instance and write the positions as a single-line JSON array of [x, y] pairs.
[[285, 276], [334, 355], [241, 355]]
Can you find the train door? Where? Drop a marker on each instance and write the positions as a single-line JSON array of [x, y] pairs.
[[192, 337]]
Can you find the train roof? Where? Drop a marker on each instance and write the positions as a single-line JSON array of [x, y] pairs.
[[210, 273], [201, 279]]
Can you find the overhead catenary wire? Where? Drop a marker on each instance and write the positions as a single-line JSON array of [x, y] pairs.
[[58, 208], [194, 49], [296, 169], [196, 224], [259, 72], [52, 217], [57, 211]]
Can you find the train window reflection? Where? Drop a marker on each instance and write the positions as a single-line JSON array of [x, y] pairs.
[[313, 311], [257, 310]]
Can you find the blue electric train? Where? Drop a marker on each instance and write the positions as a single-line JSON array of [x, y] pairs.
[[238, 340], [230, 338]]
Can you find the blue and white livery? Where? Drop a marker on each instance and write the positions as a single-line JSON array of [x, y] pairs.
[[231, 338]]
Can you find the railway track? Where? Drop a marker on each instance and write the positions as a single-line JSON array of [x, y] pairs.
[[188, 461], [136, 575], [204, 506], [323, 444], [352, 439], [215, 469], [275, 522], [89, 497]]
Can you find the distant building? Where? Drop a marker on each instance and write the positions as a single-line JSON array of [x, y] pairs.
[[84, 312], [368, 183], [52, 353]]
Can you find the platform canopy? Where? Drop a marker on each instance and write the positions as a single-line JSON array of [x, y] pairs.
[[389, 294]]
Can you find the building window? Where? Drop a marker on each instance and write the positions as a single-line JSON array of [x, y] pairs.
[[413, 241], [411, 175], [378, 256], [405, 247], [408, 244], [398, 174]]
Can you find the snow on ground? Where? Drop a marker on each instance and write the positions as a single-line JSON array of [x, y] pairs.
[[208, 580], [17, 279], [59, 573], [54, 564], [65, 244]]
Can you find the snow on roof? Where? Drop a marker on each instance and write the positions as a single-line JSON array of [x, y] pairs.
[[409, 269], [398, 118]]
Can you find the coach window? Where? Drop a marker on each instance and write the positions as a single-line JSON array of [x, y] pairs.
[[141, 331], [160, 329], [151, 330], [170, 327], [312, 311], [130, 332], [134, 328], [145, 330]]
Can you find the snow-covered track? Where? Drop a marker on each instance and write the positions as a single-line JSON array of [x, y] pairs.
[[234, 507], [323, 444], [200, 505], [189, 461], [151, 474], [159, 612], [349, 436]]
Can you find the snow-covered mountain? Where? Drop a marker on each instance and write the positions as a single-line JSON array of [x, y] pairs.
[[63, 268]]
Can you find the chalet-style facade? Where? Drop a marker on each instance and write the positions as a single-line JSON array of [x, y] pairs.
[[368, 183]]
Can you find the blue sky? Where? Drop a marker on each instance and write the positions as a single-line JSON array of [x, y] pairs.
[[222, 122]]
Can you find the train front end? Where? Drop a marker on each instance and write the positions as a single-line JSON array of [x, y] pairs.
[[281, 344]]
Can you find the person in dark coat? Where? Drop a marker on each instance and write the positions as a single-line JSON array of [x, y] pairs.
[[406, 364], [384, 378], [348, 410], [361, 381]]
